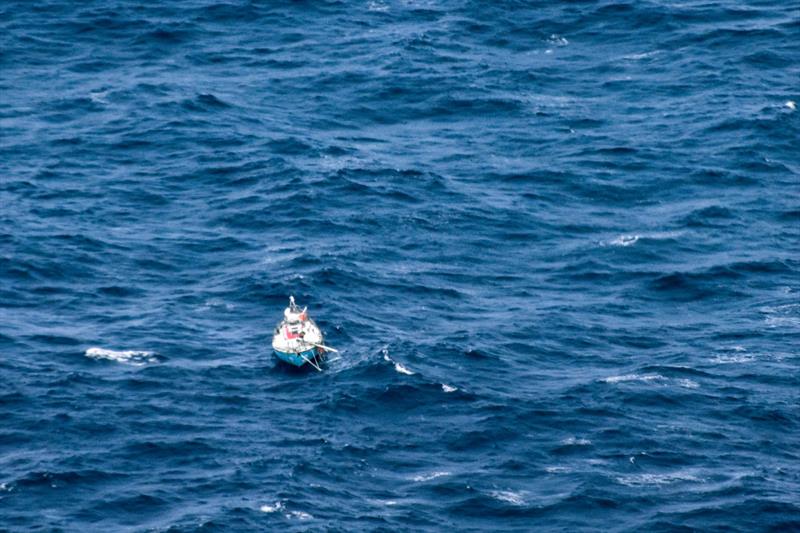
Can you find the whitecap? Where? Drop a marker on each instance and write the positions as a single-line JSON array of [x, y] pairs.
[[448, 388], [299, 515], [778, 321], [633, 377], [647, 378], [430, 476], [397, 366], [403, 370], [219, 304], [557, 469], [380, 7], [629, 239], [509, 496], [557, 40], [277, 506], [573, 441], [634, 480], [130, 357], [782, 315], [625, 240], [739, 355], [642, 55], [791, 105], [785, 308], [734, 358]]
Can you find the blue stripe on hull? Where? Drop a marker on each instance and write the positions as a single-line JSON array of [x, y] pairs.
[[295, 358]]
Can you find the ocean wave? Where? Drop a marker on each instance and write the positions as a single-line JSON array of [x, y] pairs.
[[430, 476], [584, 216], [398, 366], [625, 240], [517, 498], [575, 441], [633, 377], [299, 515], [651, 378], [736, 358], [641, 55], [557, 40], [644, 479], [633, 238], [377, 6], [129, 357], [732, 355], [776, 316], [273, 508]]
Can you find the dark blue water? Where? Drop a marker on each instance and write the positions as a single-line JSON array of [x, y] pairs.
[[558, 246]]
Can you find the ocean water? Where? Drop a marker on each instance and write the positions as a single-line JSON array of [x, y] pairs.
[[557, 245]]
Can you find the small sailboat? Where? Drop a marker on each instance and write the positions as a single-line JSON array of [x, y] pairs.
[[298, 340]]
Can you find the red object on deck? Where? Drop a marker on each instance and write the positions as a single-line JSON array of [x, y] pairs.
[[289, 334]]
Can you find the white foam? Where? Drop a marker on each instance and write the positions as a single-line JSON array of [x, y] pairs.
[[648, 378], [739, 355], [397, 366], [130, 357], [791, 105], [557, 469], [573, 441], [643, 55], [778, 321], [782, 315], [634, 480], [731, 359], [403, 370], [624, 240], [98, 97], [277, 506], [429, 476], [785, 308], [380, 7], [209, 304], [633, 377], [557, 40], [630, 239], [299, 515], [509, 496], [448, 388]]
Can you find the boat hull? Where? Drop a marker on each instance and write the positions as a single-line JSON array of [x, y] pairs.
[[297, 359]]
